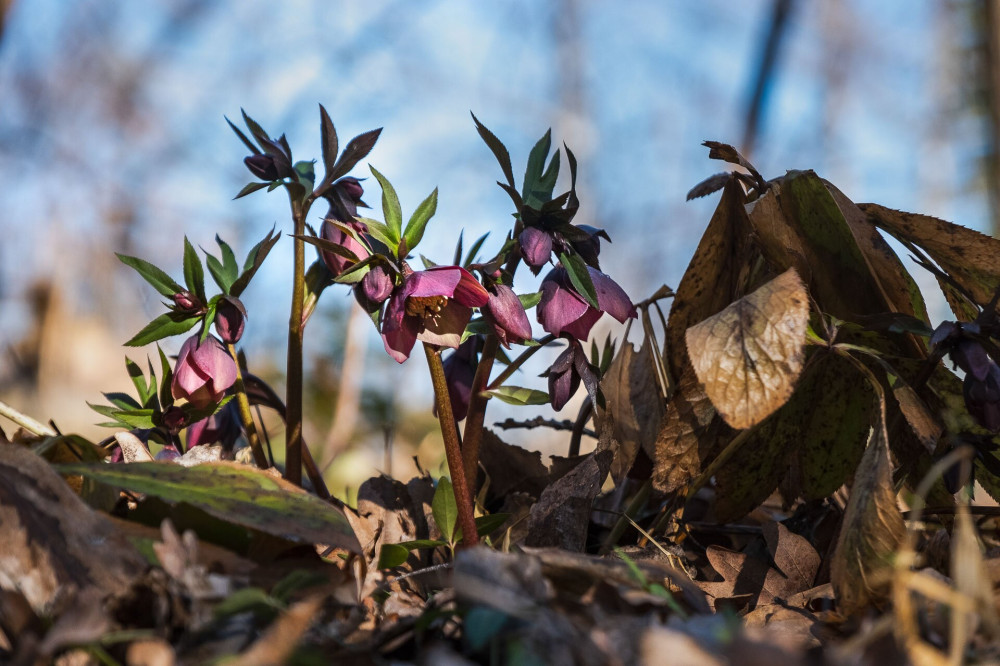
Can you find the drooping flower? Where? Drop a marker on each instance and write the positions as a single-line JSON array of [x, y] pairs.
[[536, 247], [433, 306], [563, 311], [230, 319], [564, 380], [459, 372], [203, 372], [374, 288], [590, 248], [982, 396], [344, 197], [505, 313], [222, 427]]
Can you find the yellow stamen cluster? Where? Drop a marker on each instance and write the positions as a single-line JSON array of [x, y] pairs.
[[425, 306]]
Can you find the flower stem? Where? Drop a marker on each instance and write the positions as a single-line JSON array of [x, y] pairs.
[[453, 451], [476, 414], [293, 388], [245, 416]]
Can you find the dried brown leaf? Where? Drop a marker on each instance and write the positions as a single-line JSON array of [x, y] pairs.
[[711, 184], [726, 153], [562, 514], [276, 645], [53, 544], [633, 400], [871, 531], [685, 438], [749, 356]]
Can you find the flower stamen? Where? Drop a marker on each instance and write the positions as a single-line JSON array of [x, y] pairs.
[[425, 307]]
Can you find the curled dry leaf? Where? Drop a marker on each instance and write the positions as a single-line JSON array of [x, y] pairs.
[[711, 184], [749, 356], [871, 531]]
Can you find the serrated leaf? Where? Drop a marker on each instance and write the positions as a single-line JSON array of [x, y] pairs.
[[328, 246], [250, 188], [579, 276], [217, 272], [444, 508], [194, 274], [257, 131], [871, 531], [391, 210], [749, 356], [235, 493], [711, 184], [474, 250], [253, 262], [357, 149], [138, 378], [382, 234], [536, 163], [243, 137], [518, 395], [164, 326], [355, 272], [135, 418], [418, 221], [160, 281], [499, 150], [328, 136], [547, 182], [122, 400]]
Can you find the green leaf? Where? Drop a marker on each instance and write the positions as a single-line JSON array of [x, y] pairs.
[[135, 418], [517, 395], [257, 131], [444, 508], [253, 262], [545, 184], [529, 301], [164, 326], [474, 250], [296, 581], [418, 221], [162, 282], [194, 274], [391, 210], [248, 600], [382, 234], [392, 555], [250, 188], [138, 379], [499, 150], [580, 277], [229, 265], [235, 493], [353, 274], [328, 136], [328, 246], [122, 400], [488, 524], [166, 397], [536, 163], [243, 137]]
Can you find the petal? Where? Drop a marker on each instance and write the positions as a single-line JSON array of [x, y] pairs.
[[563, 380], [507, 316], [187, 378], [469, 291], [536, 246], [399, 332], [559, 307], [214, 362], [437, 281], [580, 329], [610, 297], [377, 285], [972, 358], [447, 327]]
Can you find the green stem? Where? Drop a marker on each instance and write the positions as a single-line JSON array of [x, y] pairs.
[[476, 415], [452, 448], [245, 416]]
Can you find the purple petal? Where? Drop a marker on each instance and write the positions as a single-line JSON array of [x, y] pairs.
[[336, 263], [437, 281], [230, 319], [559, 307], [187, 378], [399, 332], [469, 291], [972, 358], [447, 327], [563, 380], [214, 362], [580, 329], [507, 315], [610, 297], [536, 247], [942, 332]]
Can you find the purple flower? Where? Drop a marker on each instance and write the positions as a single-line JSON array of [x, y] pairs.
[[434, 306], [333, 233], [536, 247], [203, 372], [563, 311], [375, 287], [459, 371], [506, 315], [982, 397], [187, 302], [590, 248], [167, 453], [222, 427], [230, 318], [563, 379]]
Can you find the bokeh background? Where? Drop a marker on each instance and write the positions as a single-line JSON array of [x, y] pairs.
[[113, 138]]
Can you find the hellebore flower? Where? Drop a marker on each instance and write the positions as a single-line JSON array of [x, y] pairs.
[[222, 427], [433, 306], [271, 166], [590, 248], [982, 397], [563, 311], [186, 301], [505, 313], [203, 372], [564, 380], [230, 318], [536, 247], [459, 372], [374, 288], [344, 197]]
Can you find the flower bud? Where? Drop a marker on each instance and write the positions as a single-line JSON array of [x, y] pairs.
[[262, 166], [374, 288], [536, 247], [333, 233], [187, 301], [174, 419], [563, 378], [230, 318], [203, 373], [506, 315]]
